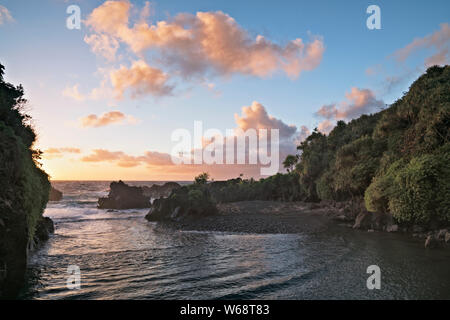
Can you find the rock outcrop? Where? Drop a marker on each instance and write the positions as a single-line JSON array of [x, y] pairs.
[[160, 191], [431, 242], [363, 221], [44, 228], [437, 239], [123, 196], [188, 202], [55, 195]]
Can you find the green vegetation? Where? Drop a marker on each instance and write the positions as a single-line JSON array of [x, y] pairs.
[[283, 187], [202, 178], [24, 186], [193, 200], [396, 160]]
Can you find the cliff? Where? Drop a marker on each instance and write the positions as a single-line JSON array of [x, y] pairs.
[[24, 190]]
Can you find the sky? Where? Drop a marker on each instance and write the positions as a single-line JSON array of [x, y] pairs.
[[106, 98]]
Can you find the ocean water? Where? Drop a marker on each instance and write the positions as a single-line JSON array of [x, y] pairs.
[[122, 256]]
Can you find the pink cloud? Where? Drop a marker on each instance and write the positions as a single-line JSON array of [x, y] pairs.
[[103, 45], [105, 119], [54, 153], [73, 93], [207, 41], [140, 79], [5, 15], [325, 126], [357, 102], [438, 40], [253, 117]]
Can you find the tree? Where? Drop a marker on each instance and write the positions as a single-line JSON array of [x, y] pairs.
[[202, 178], [290, 162]]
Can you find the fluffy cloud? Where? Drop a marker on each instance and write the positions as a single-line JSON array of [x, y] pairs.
[[438, 40], [325, 126], [140, 79], [54, 153], [302, 135], [105, 119], [5, 15], [73, 93], [358, 102], [253, 117], [256, 117], [103, 45], [204, 42]]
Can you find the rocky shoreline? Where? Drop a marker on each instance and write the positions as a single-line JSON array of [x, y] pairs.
[[123, 196], [263, 217], [276, 217], [197, 208]]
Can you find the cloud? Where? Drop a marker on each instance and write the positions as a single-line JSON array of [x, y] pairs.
[[141, 79], [374, 70], [150, 158], [254, 116], [54, 153], [302, 135], [205, 42], [110, 17], [325, 126], [438, 40], [103, 45], [437, 44], [105, 119], [439, 58], [122, 160], [73, 93], [5, 15], [357, 102]]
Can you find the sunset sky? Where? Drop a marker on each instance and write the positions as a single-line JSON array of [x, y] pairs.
[[105, 99]]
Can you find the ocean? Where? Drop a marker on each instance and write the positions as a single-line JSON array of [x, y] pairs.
[[120, 255]]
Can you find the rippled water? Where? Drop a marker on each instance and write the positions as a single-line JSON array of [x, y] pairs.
[[122, 256]]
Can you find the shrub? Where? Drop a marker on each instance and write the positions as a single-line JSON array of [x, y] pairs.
[[378, 193], [422, 190]]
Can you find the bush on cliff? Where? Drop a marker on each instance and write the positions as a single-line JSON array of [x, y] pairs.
[[191, 201], [422, 190], [24, 187], [412, 179], [395, 159]]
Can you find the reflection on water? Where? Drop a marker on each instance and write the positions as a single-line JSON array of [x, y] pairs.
[[122, 256]]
